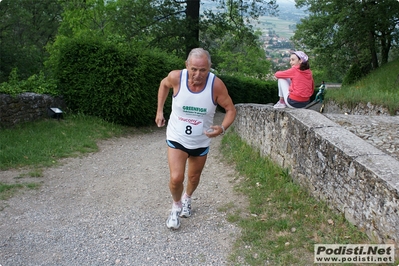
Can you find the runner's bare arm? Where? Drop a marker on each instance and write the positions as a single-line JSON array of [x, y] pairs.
[[169, 82], [223, 99]]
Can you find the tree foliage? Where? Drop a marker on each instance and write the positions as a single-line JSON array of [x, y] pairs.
[[175, 27], [345, 32], [31, 29], [25, 28], [108, 56], [229, 36]]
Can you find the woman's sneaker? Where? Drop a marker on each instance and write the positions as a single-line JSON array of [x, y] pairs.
[[173, 221], [280, 105], [186, 208]]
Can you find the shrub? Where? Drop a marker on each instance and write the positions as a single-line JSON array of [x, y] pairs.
[[250, 90], [355, 73], [115, 82], [37, 83]]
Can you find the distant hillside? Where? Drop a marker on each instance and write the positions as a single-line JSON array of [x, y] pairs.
[[276, 31], [288, 11], [283, 25]]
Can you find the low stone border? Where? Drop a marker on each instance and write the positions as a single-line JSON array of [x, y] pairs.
[[26, 107], [359, 109]]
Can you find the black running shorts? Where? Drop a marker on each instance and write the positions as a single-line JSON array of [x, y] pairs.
[[190, 152]]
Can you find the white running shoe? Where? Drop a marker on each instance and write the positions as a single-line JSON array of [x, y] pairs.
[[186, 208], [173, 221], [280, 105]]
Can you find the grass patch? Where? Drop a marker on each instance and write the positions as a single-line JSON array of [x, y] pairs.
[[380, 87], [34, 172], [8, 190], [42, 143], [283, 221]]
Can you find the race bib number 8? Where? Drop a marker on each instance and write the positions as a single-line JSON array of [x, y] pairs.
[[192, 127]]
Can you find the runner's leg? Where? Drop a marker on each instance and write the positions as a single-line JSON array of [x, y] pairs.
[[177, 165], [195, 166]]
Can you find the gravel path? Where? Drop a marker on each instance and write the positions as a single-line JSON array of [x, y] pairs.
[[110, 208]]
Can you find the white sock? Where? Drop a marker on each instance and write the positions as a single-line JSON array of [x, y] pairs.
[[176, 205]]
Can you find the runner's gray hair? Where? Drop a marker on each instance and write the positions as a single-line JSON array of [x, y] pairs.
[[199, 52]]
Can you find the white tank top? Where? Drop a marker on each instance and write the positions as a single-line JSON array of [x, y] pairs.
[[192, 114]]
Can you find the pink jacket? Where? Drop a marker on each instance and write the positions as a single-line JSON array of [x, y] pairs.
[[302, 83]]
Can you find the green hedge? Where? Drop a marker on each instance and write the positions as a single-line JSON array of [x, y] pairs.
[[115, 82], [120, 84], [249, 90]]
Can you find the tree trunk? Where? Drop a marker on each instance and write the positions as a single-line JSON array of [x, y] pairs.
[[373, 52], [192, 18], [385, 47]]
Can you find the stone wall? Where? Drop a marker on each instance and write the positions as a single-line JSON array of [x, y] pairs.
[[332, 163], [26, 107]]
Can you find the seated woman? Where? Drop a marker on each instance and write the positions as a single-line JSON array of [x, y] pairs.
[[295, 85]]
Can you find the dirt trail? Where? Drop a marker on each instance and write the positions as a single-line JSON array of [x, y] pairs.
[[110, 208]]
